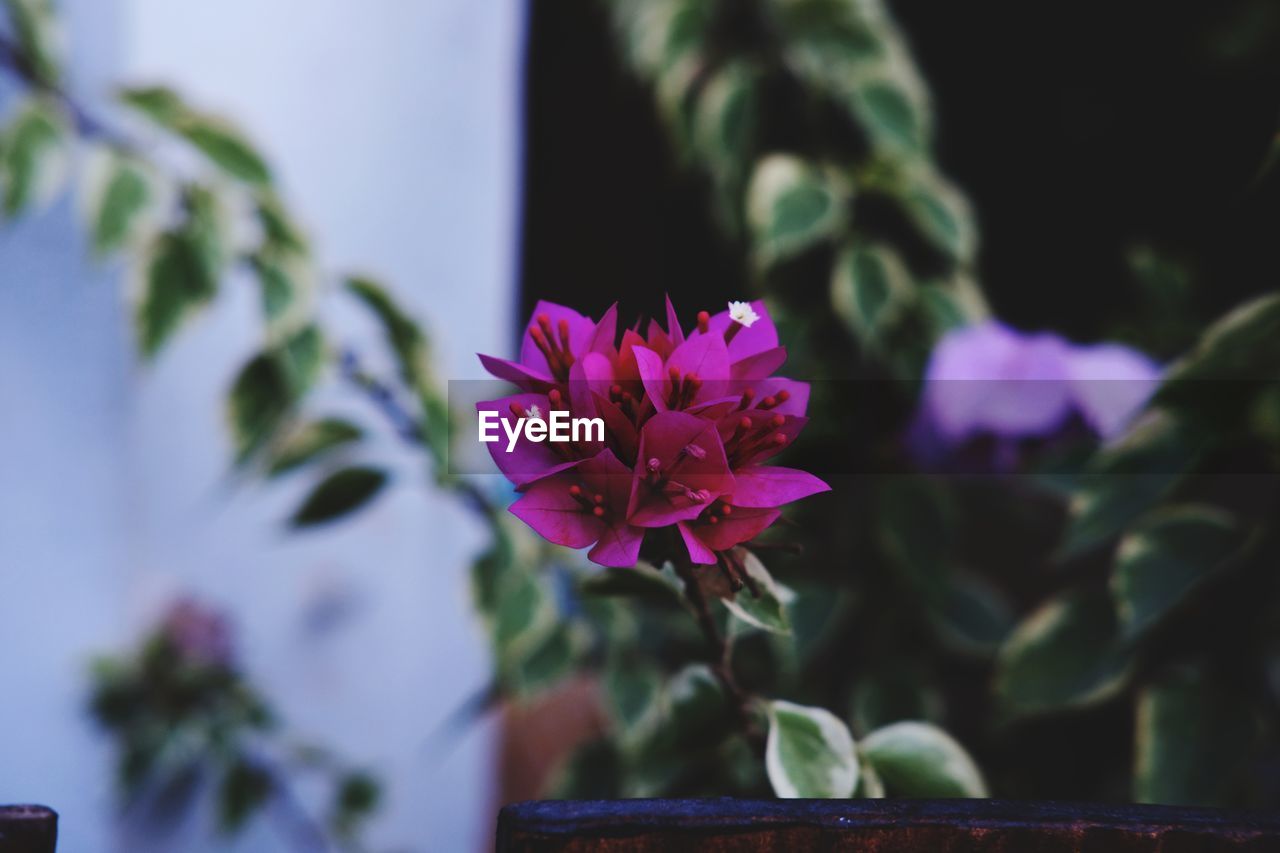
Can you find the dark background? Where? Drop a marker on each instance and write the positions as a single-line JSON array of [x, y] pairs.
[[1080, 131]]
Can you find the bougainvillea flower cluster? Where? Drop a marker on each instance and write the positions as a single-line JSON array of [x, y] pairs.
[[990, 381], [691, 422]]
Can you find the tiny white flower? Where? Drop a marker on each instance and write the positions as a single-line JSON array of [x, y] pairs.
[[742, 312], [534, 413]]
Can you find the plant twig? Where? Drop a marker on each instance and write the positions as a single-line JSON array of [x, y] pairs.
[[721, 668]]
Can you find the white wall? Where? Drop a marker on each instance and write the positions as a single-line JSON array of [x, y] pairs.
[[394, 126]]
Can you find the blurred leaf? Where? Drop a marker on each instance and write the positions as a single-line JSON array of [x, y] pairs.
[[124, 197], [547, 664], [870, 287], [245, 789], [175, 285], [658, 34], [791, 208], [939, 212], [342, 492], [974, 617], [1220, 377], [301, 358], [216, 138], [35, 157], [768, 612], [1066, 654], [891, 116], [311, 441], [644, 583], [1164, 560], [286, 289], [694, 709], [1127, 478], [915, 528], [920, 760], [870, 786], [357, 796], [258, 401], [725, 117], [1192, 739], [279, 230], [809, 753], [592, 771], [895, 690], [35, 23], [633, 691], [409, 345]]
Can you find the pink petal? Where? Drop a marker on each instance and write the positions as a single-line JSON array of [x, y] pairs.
[[773, 485], [525, 377], [698, 552], [674, 333], [759, 366], [556, 516], [761, 336], [581, 331], [619, 547], [528, 460], [654, 376], [743, 525]]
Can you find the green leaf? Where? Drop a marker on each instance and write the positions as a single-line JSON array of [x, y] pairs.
[[1067, 654], [220, 141], [725, 118], [791, 208], [633, 691], [280, 232], [126, 193], [245, 789], [357, 797], [644, 582], [310, 442], [286, 283], [35, 157], [768, 612], [915, 530], [1193, 737], [1237, 355], [809, 753], [158, 103], [301, 358], [545, 665], [175, 285], [695, 707], [891, 116], [939, 212], [1126, 479], [223, 144], [973, 617], [895, 690], [1164, 560], [339, 494], [920, 760], [259, 399], [412, 352], [35, 23], [870, 288]]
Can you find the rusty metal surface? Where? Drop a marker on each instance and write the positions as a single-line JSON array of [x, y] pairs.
[[28, 829], [878, 826]]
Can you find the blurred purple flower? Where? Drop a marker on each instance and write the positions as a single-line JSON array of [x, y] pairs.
[[200, 634], [989, 380]]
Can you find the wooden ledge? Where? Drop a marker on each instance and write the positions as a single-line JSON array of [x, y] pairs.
[[28, 829], [879, 826]]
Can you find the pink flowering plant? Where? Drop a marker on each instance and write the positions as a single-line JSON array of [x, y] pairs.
[[691, 425]]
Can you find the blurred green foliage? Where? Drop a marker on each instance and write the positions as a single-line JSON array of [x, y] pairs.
[[1105, 633]]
